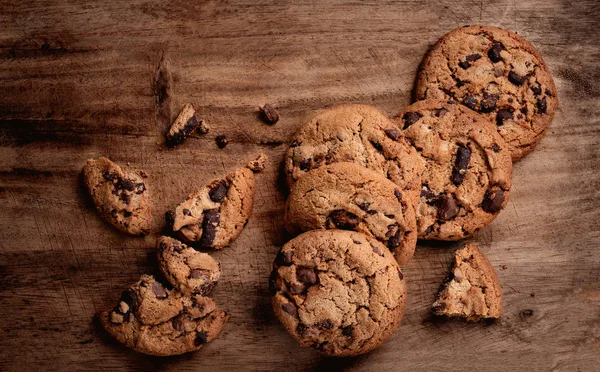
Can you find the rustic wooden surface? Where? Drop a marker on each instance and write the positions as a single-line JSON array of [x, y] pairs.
[[81, 79]]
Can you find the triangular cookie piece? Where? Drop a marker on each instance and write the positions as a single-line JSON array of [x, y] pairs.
[[472, 290]]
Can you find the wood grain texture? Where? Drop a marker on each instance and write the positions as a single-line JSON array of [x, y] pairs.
[[82, 79]]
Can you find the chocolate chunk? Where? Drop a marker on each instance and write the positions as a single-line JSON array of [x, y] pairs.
[[301, 329], [209, 227], [524, 109], [393, 133], [410, 118], [218, 192], [289, 308], [536, 88], [394, 240], [493, 200], [284, 258], [186, 212], [343, 219], [221, 141], [488, 103], [503, 114], [170, 218], [305, 164], [441, 112], [199, 274], [461, 164], [376, 249], [495, 147], [427, 193], [348, 331], [201, 338], [515, 78], [371, 211], [297, 288], [269, 114], [326, 324], [110, 177], [177, 325], [306, 276], [398, 195], [494, 52], [548, 92], [542, 106], [159, 290], [140, 188], [127, 214], [364, 206], [470, 102], [125, 184], [447, 208], [467, 62]]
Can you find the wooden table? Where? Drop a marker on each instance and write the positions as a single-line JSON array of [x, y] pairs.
[[76, 82]]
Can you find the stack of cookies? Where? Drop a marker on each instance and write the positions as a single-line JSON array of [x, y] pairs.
[[365, 187]]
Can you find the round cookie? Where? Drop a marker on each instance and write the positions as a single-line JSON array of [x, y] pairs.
[[340, 292], [185, 268], [350, 197], [497, 73], [467, 169], [216, 214], [354, 133]]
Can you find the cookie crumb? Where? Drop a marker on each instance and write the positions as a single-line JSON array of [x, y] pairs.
[[183, 126], [143, 174], [503, 267], [532, 294], [203, 128], [221, 141], [269, 114], [258, 164]]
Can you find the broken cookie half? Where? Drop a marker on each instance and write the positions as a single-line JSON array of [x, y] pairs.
[[214, 215], [472, 290], [154, 320], [121, 197]]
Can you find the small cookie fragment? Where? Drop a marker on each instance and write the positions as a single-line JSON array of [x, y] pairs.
[[203, 128], [215, 215], [497, 73], [473, 290], [122, 198], [221, 141], [154, 320], [348, 196], [258, 164], [467, 168], [183, 126], [269, 114], [340, 292], [188, 270]]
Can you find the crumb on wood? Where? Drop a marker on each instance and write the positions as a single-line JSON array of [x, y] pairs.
[[503, 267], [532, 294], [258, 164], [143, 174]]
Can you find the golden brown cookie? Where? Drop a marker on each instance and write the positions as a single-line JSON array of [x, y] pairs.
[[122, 198], [340, 292], [472, 290], [497, 73], [467, 170], [359, 134], [350, 197]]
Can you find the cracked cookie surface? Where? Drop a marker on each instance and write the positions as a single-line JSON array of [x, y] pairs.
[[497, 73], [359, 134], [188, 270], [121, 197], [350, 197], [473, 290], [154, 320], [467, 169], [340, 292], [216, 214]]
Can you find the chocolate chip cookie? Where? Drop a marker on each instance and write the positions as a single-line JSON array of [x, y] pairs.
[[472, 291], [154, 320], [340, 292], [121, 197], [467, 169], [355, 133], [215, 215], [497, 73], [188, 270], [350, 197]]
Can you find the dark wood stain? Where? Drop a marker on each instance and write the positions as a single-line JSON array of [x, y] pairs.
[[82, 80]]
